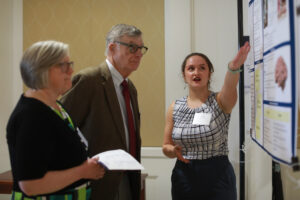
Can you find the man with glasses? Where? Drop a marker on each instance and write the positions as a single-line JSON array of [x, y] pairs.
[[103, 102]]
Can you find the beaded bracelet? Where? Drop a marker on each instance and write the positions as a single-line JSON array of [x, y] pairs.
[[235, 71]]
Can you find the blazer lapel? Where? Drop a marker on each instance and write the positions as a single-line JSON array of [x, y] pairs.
[[112, 99]]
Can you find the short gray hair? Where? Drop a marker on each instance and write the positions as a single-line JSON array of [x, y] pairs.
[[38, 59], [120, 30]]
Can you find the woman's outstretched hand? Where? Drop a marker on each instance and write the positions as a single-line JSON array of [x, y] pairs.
[[240, 57]]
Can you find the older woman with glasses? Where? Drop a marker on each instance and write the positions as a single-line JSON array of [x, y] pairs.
[[48, 153]]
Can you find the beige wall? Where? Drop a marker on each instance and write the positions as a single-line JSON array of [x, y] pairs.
[[83, 24], [5, 77]]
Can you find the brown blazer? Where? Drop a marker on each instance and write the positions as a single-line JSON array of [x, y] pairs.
[[94, 107]]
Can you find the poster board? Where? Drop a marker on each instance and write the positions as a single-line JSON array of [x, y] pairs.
[[272, 73], [297, 6]]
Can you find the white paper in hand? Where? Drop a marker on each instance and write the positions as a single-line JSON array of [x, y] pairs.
[[118, 160]]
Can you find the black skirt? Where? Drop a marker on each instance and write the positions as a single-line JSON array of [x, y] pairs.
[[209, 179]]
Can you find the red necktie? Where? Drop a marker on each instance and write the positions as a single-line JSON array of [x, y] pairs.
[[130, 123]]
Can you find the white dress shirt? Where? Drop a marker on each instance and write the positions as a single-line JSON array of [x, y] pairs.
[[124, 187], [118, 79]]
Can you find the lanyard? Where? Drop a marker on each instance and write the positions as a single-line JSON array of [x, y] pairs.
[[64, 115]]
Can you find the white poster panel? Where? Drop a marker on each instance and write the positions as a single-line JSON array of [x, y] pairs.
[[274, 86]]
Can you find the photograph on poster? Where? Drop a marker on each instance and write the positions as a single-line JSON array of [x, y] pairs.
[[280, 72], [281, 8], [277, 75], [277, 30]]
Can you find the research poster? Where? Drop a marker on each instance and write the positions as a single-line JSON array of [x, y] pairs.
[[274, 102]]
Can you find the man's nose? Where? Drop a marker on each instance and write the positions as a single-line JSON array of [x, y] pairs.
[[139, 52]]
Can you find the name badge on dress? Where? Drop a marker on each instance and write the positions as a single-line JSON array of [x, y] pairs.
[[202, 118], [83, 140]]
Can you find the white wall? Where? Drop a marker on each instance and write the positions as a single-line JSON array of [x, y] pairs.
[[159, 169], [10, 81], [177, 46]]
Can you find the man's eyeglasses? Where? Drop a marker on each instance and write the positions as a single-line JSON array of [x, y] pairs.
[[65, 66], [133, 47]]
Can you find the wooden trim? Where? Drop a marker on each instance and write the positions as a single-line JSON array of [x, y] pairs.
[[6, 182]]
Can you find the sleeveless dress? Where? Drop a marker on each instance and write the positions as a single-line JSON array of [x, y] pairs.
[[209, 175]]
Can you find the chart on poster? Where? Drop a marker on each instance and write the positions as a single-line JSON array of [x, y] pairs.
[[272, 76]]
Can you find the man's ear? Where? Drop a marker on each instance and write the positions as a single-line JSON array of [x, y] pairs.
[[111, 47]]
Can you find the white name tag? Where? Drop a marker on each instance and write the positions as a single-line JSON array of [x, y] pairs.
[[202, 118], [82, 138]]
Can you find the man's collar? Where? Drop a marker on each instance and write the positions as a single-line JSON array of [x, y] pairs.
[[115, 74]]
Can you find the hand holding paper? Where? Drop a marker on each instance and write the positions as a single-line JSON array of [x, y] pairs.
[[118, 160]]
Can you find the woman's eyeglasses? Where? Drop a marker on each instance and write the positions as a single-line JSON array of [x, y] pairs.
[[65, 66], [133, 47]]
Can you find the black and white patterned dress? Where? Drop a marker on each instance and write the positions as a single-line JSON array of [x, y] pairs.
[[200, 141], [209, 175]]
